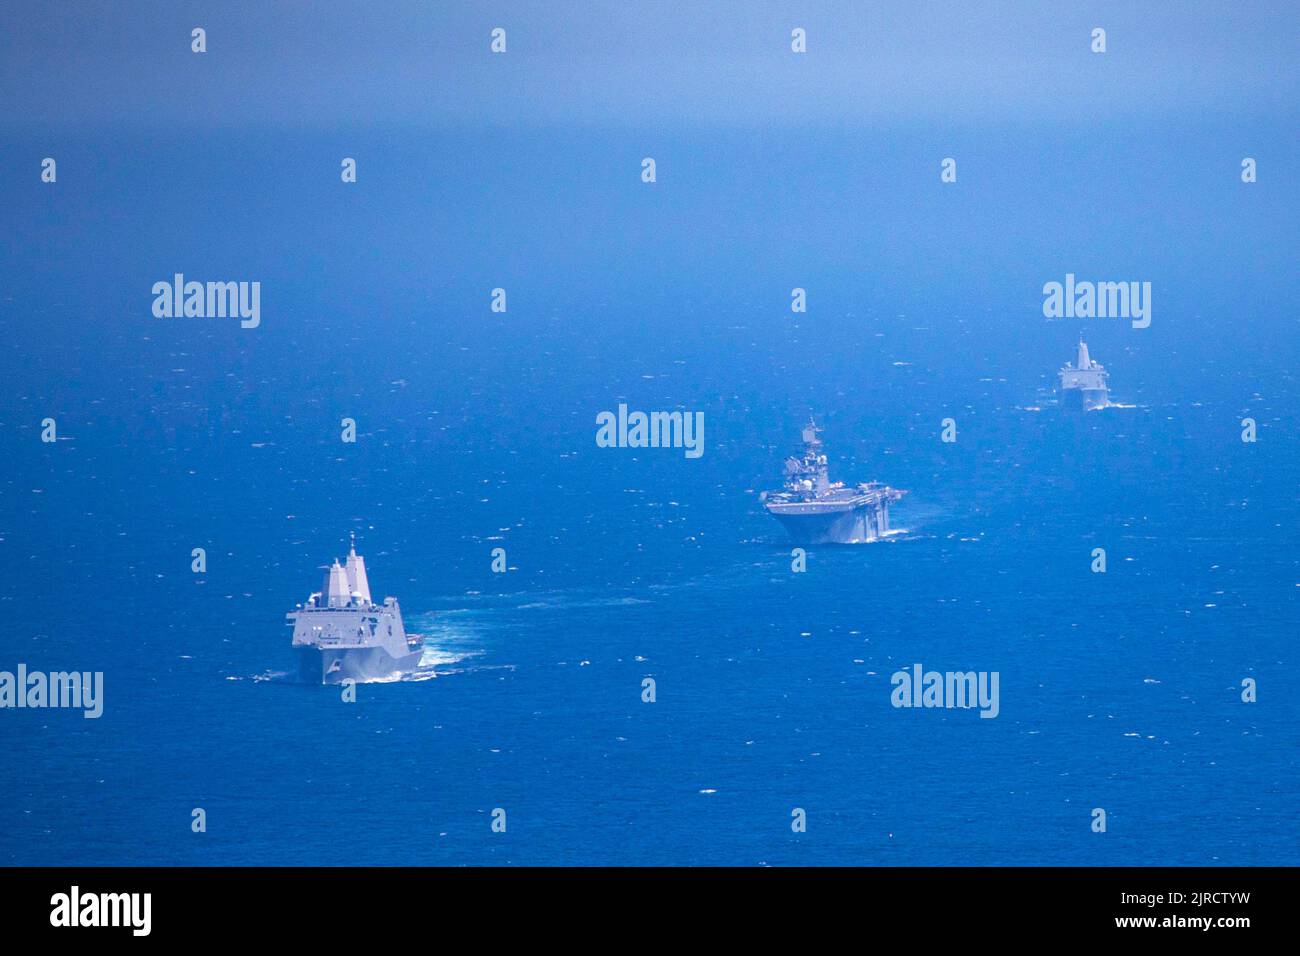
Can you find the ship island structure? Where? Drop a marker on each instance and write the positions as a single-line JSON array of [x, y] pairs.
[[815, 510], [341, 634], [1083, 383]]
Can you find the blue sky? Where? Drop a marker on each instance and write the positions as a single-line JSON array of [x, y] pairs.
[[427, 63]]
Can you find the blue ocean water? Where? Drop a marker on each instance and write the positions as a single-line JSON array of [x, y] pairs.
[[476, 430]]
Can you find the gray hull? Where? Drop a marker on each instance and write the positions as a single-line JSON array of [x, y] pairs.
[[318, 665], [1085, 399], [850, 526]]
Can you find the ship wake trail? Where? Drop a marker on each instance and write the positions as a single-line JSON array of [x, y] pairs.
[[448, 640]]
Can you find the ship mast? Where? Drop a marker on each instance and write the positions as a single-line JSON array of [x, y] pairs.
[[807, 476], [358, 583], [810, 439]]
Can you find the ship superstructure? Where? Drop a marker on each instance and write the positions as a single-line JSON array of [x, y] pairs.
[[815, 510], [341, 634], [1083, 383]]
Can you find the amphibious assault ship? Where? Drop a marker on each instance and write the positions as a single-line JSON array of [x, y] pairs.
[[816, 511], [341, 634], [1083, 384]]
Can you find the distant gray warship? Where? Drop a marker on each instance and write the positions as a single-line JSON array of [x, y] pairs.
[[340, 634], [815, 511], [1083, 384]]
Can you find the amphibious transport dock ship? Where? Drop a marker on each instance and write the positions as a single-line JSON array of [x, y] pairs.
[[341, 634], [816, 511], [1083, 384]]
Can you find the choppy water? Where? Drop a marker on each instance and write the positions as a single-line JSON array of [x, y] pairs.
[[1119, 691]]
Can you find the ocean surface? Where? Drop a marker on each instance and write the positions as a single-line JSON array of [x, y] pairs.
[[1119, 691]]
